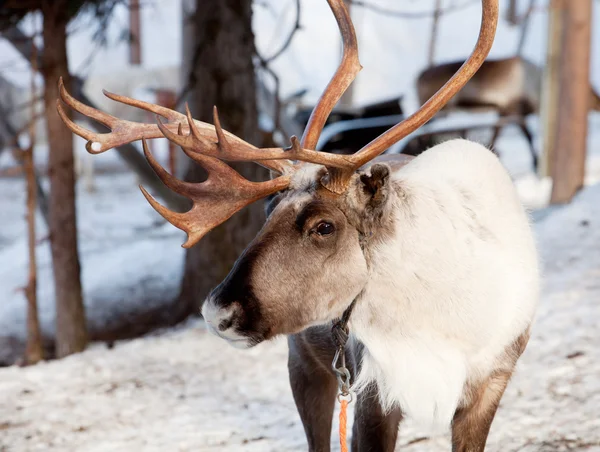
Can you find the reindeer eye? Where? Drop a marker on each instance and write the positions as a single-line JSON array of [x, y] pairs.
[[324, 228]]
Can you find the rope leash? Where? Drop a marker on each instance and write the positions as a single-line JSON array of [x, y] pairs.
[[343, 421], [341, 333]]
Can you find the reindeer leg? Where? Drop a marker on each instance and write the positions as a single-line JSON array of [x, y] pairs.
[[471, 424], [529, 137], [314, 385], [495, 136], [373, 429]]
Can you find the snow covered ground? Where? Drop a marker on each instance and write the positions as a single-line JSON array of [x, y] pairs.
[[131, 259], [185, 390]]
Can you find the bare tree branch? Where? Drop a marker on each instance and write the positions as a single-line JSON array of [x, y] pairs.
[[526, 20], [263, 62], [437, 14], [410, 15], [42, 198], [289, 39], [264, 65]]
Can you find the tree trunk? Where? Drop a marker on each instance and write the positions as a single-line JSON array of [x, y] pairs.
[[550, 106], [71, 334], [135, 35], [223, 75], [33, 350], [574, 101]]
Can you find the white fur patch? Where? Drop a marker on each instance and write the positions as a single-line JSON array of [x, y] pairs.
[[453, 289], [424, 376], [305, 176]]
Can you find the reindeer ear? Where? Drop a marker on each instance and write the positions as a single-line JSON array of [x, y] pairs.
[[375, 184]]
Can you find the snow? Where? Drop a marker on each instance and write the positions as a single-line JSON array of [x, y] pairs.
[[131, 259], [186, 390]]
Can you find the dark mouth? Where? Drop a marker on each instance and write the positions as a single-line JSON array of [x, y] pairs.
[[242, 342], [248, 341]]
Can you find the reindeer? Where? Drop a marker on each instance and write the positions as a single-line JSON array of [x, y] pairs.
[[510, 86], [429, 260]]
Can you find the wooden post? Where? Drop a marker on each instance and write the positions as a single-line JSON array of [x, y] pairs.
[[550, 88], [572, 130], [135, 43]]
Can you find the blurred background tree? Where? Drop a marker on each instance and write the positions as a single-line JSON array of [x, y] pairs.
[[71, 331], [221, 72]]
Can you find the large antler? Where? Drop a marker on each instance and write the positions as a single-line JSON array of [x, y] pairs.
[[123, 131], [489, 22], [204, 138], [215, 200], [345, 74], [225, 191], [337, 180]]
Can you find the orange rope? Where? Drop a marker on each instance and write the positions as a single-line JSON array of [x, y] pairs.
[[343, 419]]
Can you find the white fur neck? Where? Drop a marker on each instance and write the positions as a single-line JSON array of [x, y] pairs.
[[453, 287]]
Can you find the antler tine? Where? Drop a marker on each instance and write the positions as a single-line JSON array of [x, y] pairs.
[[97, 115], [197, 142], [345, 74], [489, 22], [294, 152], [178, 186], [171, 115], [215, 200], [121, 131], [193, 129], [228, 152], [238, 150]]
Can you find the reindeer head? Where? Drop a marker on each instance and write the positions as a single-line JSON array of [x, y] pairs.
[[307, 263]]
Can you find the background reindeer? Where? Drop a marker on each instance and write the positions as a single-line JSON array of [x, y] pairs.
[[433, 256], [510, 86]]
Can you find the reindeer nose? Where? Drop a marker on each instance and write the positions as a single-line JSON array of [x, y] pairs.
[[225, 323], [219, 318]]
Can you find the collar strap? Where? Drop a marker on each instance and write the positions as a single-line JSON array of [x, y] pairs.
[[339, 328]]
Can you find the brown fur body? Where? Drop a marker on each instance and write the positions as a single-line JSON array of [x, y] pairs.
[[314, 387]]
